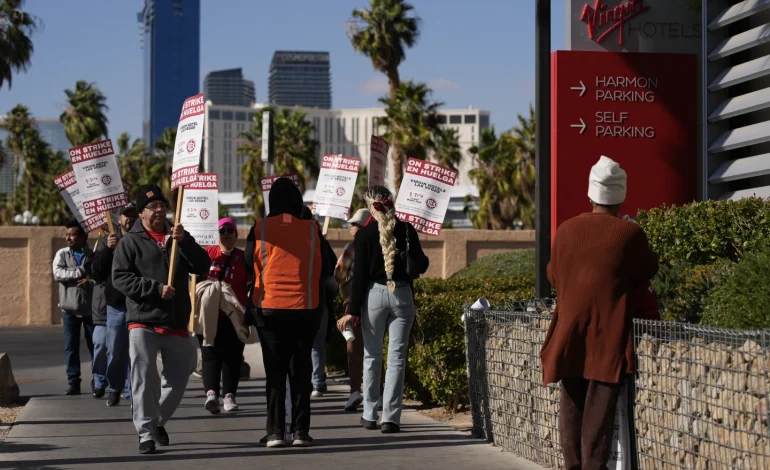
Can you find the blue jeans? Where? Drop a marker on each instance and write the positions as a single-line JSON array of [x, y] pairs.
[[395, 312], [71, 324], [99, 363], [111, 365], [319, 351]]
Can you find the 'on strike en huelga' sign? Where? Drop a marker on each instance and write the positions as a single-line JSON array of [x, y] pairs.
[[189, 137], [68, 188], [378, 161], [267, 183], [336, 183], [98, 177], [424, 195], [200, 208]]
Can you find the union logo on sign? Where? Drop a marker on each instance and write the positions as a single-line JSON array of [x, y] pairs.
[[340, 191], [431, 203], [106, 180], [190, 145], [204, 214]]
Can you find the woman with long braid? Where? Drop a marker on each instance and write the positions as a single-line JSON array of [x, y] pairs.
[[381, 294]]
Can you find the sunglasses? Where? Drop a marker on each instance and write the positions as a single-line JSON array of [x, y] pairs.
[[155, 207], [225, 230]]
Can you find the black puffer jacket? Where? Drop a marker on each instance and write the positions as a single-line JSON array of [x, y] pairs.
[[140, 270]]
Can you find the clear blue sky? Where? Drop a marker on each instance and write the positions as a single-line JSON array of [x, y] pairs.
[[472, 52]]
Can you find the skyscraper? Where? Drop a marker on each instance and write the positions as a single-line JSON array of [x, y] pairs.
[[227, 87], [300, 79], [170, 38]]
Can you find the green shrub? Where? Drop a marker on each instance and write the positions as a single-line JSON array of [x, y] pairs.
[[741, 299], [704, 232], [510, 263], [682, 288]]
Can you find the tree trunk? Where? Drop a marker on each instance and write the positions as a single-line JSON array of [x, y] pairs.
[[27, 194], [15, 179]]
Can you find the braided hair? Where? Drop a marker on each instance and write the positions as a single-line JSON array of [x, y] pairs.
[[379, 200]]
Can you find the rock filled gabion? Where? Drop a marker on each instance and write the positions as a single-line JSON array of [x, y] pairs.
[[701, 395]]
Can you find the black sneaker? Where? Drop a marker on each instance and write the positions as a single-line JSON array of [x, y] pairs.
[[73, 390], [98, 393], [370, 425], [302, 439], [161, 436], [113, 399], [390, 428], [147, 447]]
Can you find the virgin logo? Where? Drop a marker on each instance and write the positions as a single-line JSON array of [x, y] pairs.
[[601, 15]]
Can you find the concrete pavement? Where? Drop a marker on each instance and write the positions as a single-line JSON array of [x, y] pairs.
[[56, 432]]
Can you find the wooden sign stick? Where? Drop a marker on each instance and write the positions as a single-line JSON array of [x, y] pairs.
[[110, 225], [326, 225], [177, 218]]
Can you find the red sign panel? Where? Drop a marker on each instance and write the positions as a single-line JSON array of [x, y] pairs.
[[637, 109]]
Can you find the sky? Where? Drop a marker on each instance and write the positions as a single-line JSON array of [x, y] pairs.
[[476, 53]]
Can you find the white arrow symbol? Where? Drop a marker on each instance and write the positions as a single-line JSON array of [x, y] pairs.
[[581, 126], [581, 88]]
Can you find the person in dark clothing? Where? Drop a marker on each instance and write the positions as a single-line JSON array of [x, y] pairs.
[[382, 287], [286, 256], [72, 270], [111, 365], [158, 313]]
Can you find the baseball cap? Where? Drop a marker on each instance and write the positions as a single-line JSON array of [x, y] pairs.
[[129, 207], [227, 221]]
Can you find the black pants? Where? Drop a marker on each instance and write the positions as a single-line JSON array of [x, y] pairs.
[[287, 342], [223, 360]]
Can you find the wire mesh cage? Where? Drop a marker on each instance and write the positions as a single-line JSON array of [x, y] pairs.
[[701, 397]]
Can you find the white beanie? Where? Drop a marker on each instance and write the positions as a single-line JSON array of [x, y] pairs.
[[607, 183]]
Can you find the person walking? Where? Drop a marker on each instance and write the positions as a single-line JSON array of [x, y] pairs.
[[111, 365], [72, 270], [286, 255], [158, 314], [597, 261], [343, 274], [224, 358], [382, 295]]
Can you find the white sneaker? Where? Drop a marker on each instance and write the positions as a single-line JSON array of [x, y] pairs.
[[276, 443], [197, 374], [212, 402], [230, 404], [354, 401]]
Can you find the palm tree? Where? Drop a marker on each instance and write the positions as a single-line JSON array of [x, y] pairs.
[[412, 121], [296, 152], [362, 184], [16, 48], [19, 124], [505, 177], [133, 159], [383, 33], [447, 147], [35, 155], [46, 201], [158, 170], [84, 119]]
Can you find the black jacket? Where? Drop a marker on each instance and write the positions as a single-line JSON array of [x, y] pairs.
[[140, 270], [104, 293], [369, 265]]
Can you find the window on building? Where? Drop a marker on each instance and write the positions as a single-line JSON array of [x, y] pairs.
[[240, 116], [227, 115], [455, 119], [442, 118], [214, 114], [251, 117], [484, 121], [470, 119]]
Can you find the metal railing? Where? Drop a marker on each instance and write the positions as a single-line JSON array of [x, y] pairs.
[[701, 394]]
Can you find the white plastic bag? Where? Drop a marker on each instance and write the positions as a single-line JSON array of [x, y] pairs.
[[620, 458]]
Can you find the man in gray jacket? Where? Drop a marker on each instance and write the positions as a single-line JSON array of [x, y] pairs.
[[71, 269], [158, 314]]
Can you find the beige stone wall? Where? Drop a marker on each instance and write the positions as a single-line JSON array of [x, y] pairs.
[[29, 295]]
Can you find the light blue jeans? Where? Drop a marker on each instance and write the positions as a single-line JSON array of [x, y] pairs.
[[319, 350], [395, 312]]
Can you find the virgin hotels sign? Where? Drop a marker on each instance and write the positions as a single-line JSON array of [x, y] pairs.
[[633, 26]]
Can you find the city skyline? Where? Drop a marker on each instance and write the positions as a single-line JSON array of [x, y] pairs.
[[480, 54]]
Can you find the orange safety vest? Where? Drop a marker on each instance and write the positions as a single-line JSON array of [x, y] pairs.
[[287, 263]]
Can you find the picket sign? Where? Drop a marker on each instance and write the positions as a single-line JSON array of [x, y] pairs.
[[187, 151]]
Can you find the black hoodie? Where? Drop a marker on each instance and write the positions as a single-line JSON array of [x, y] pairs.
[[140, 270]]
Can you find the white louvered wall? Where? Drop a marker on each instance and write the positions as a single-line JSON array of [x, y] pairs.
[[737, 98]]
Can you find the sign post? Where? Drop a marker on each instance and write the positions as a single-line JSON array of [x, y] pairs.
[[378, 161], [187, 150], [268, 146], [638, 109], [424, 195], [336, 184]]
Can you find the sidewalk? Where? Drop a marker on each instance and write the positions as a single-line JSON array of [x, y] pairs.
[[56, 432]]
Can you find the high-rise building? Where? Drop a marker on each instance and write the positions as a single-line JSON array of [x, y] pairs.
[[300, 79], [51, 130], [170, 39], [227, 87]]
